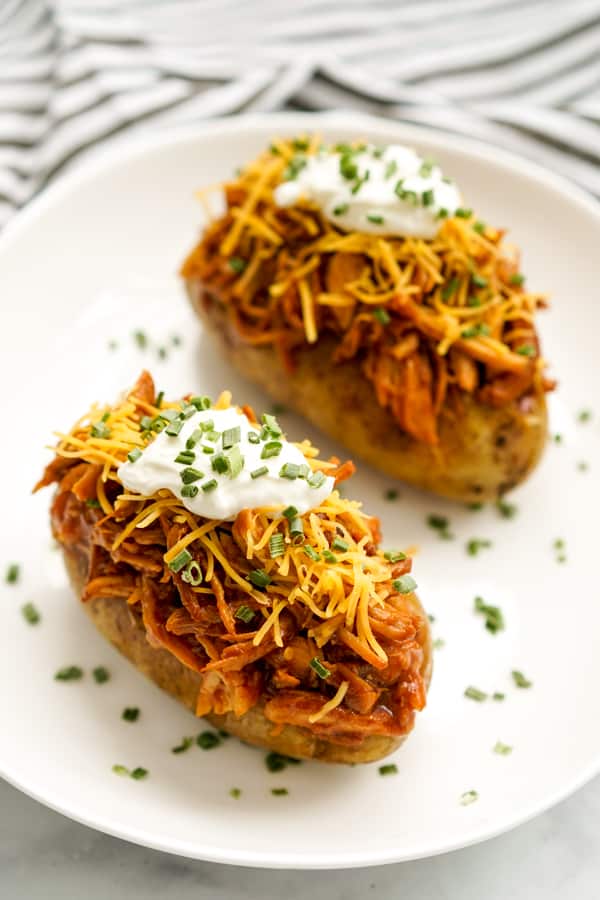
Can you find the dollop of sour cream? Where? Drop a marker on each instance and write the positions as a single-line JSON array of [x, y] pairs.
[[391, 190], [238, 474]]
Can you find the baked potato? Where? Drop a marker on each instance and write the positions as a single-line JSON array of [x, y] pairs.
[[290, 630], [419, 356]]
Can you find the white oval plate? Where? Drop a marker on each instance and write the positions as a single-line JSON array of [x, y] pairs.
[[96, 257]]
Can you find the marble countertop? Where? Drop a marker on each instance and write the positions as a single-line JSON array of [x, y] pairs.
[[44, 856]]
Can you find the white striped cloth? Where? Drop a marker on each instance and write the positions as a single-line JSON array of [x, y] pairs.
[[524, 74]]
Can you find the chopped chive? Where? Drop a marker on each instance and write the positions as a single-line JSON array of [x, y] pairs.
[[192, 574], [526, 350], [289, 470], [235, 461], [120, 770], [271, 425], [476, 544], [339, 544], [259, 578], [189, 475], [206, 449], [206, 740], [375, 218], [473, 302], [134, 454], [244, 613], [394, 556], [441, 524], [341, 209], [520, 680], [176, 341], [442, 213], [426, 168], [328, 556], [219, 463], [189, 490], [296, 526], [316, 479], [311, 553], [93, 503], [582, 466], [388, 769], [209, 485], [427, 198], [294, 167], [271, 449], [201, 402], [253, 437], [30, 614], [231, 436], [468, 797], [185, 744], [256, 473], [390, 169], [475, 507], [69, 673], [235, 792], [277, 762], [381, 315], [406, 584], [100, 430], [162, 352], [169, 414], [317, 666], [290, 512], [584, 415], [498, 696], [276, 545], [494, 620], [207, 425], [438, 643], [141, 339], [450, 288], [237, 264], [479, 227], [188, 410], [186, 457], [130, 714], [101, 674], [463, 213], [481, 328], [502, 749], [146, 423], [279, 792], [181, 560], [174, 427], [517, 279], [391, 494], [506, 510], [474, 693], [479, 281], [139, 773], [12, 573], [557, 438]]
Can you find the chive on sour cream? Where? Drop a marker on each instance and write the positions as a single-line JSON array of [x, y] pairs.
[[391, 190], [217, 463]]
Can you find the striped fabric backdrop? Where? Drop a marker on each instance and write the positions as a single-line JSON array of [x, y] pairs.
[[524, 74]]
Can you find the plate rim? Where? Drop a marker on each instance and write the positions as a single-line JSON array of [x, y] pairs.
[[126, 149]]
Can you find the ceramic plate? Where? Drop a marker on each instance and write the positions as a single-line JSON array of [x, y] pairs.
[[94, 259]]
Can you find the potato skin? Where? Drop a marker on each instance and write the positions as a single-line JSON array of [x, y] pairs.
[[483, 452], [124, 629]]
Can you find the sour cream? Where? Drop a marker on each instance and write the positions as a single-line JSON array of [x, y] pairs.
[[392, 191], [245, 486]]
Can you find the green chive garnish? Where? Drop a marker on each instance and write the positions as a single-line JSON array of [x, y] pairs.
[[100, 430], [289, 512], [450, 288], [134, 454], [474, 693], [277, 762], [207, 740], [476, 544], [390, 169], [463, 213], [271, 449], [271, 425], [130, 714], [479, 281], [381, 315], [219, 463], [318, 667], [427, 198], [174, 427], [388, 769], [311, 553], [375, 219], [186, 457], [394, 556], [296, 526], [502, 749], [12, 574], [185, 744], [189, 475], [499, 697], [192, 574], [339, 544], [120, 770], [231, 436], [476, 330], [209, 485], [256, 473], [391, 494], [181, 560], [101, 674], [468, 797], [279, 792], [259, 578], [235, 792], [69, 673], [520, 680], [494, 620], [405, 584], [30, 614], [235, 461], [189, 490], [276, 545], [289, 470], [237, 264], [253, 437], [506, 510], [245, 614], [139, 773], [93, 503], [201, 402], [341, 209], [140, 339], [329, 556], [517, 279], [316, 479], [479, 227], [526, 350]]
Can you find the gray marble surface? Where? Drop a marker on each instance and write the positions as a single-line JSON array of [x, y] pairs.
[[44, 856]]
